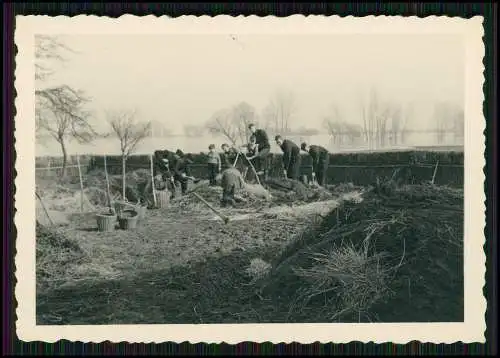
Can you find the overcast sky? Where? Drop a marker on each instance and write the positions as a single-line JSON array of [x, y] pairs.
[[184, 79]]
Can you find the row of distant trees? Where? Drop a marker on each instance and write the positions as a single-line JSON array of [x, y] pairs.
[[61, 113], [383, 122]]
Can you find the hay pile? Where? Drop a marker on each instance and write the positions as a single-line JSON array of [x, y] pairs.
[[56, 255], [136, 185], [396, 256]]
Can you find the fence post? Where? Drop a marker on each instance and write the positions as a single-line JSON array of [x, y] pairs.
[[81, 182], [107, 184], [153, 180]]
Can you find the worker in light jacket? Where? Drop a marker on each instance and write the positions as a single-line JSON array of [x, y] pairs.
[[320, 158], [291, 157], [214, 164]]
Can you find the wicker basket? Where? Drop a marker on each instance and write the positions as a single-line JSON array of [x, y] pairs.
[[106, 222], [162, 198], [128, 219]]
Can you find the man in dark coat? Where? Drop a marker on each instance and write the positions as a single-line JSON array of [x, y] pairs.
[[162, 159], [291, 157], [232, 183], [321, 158], [181, 170], [262, 149]]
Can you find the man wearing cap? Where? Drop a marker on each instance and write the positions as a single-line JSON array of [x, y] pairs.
[[320, 158], [162, 166], [291, 157], [260, 140]]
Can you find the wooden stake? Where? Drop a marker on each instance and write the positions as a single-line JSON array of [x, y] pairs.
[[81, 182], [44, 208], [435, 171], [236, 160], [107, 184], [153, 180]]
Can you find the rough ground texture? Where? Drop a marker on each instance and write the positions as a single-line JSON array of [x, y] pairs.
[[395, 256]]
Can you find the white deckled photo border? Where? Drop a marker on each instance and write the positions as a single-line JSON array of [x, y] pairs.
[[474, 325]]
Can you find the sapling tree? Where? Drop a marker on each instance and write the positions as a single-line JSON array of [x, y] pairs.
[[130, 132]]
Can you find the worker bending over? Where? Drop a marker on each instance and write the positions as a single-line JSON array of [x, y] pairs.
[[291, 157], [233, 185], [320, 158]]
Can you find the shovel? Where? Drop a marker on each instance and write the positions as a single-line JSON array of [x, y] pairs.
[[222, 216]]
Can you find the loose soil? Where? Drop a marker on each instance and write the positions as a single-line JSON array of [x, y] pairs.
[[183, 265]]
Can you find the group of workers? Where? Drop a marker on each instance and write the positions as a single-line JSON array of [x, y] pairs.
[[173, 167]]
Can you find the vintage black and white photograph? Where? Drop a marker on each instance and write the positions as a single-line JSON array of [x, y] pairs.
[[237, 177]]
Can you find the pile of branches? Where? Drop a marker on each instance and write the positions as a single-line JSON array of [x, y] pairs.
[[397, 255]]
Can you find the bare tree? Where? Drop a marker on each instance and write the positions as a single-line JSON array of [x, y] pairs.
[[445, 118], [279, 112], [243, 115], [130, 133], [48, 49], [340, 130], [59, 110], [222, 123], [406, 117], [369, 108], [376, 115], [333, 123], [232, 123], [60, 113]]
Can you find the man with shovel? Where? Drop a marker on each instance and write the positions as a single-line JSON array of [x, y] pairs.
[[320, 157]]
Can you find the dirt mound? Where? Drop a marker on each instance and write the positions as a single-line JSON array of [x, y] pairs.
[[396, 256]]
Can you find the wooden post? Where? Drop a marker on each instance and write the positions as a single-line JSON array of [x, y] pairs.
[[81, 182], [236, 160], [107, 183], [44, 208], [153, 180], [435, 171]]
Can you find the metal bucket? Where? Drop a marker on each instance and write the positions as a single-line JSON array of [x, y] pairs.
[[106, 222], [128, 219], [141, 210]]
